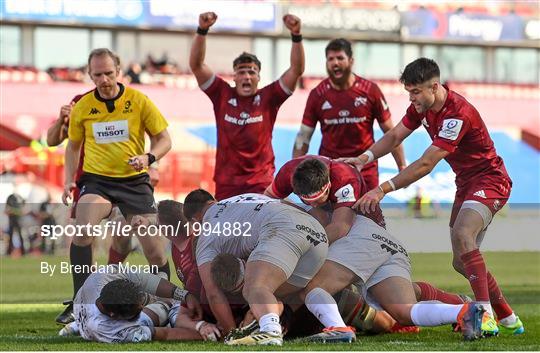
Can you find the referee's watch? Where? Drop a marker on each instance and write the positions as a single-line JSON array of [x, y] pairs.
[[151, 158]]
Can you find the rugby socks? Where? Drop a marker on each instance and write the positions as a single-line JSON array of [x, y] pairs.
[[78, 256], [434, 314], [428, 292], [498, 301], [475, 269], [324, 307], [270, 323], [115, 257]]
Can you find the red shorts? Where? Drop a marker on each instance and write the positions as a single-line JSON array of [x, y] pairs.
[[491, 191], [226, 191], [371, 175]]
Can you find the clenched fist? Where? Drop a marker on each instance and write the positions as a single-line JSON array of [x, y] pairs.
[[207, 19], [292, 23]]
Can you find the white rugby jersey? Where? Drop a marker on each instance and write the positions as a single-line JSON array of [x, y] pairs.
[[247, 212], [94, 325]]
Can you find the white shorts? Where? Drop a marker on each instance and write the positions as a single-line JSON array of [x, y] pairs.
[[295, 242], [372, 254]]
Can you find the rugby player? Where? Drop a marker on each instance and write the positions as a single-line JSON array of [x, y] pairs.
[[112, 120], [283, 247], [245, 115], [346, 106], [118, 306], [483, 185]]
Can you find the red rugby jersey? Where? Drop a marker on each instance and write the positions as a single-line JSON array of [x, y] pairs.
[[459, 129], [346, 117], [244, 132]]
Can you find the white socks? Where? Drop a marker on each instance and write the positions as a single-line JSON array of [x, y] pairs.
[[324, 307], [487, 306], [270, 323], [509, 320], [434, 313]]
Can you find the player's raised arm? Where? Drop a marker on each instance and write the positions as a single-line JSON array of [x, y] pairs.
[[198, 49], [293, 73]]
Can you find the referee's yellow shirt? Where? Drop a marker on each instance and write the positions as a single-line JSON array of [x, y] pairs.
[[113, 130]]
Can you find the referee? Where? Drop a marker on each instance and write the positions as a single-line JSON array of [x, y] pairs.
[[112, 120]]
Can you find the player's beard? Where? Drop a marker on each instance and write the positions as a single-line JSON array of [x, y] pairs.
[[340, 81]]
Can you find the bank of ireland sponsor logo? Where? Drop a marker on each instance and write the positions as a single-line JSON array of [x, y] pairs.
[[343, 113], [111, 131]]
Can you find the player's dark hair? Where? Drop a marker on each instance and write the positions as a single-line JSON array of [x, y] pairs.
[[420, 71], [171, 213], [310, 176], [122, 297], [101, 52], [339, 44], [195, 202], [246, 58], [226, 272]]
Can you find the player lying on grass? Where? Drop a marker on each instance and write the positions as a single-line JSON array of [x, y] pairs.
[[121, 306], [284, 247]]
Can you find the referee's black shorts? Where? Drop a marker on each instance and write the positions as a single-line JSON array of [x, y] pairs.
[[133, 195]]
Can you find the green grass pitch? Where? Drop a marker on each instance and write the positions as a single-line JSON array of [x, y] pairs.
[[27, 310]]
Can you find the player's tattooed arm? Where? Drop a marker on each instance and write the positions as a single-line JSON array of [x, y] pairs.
[[202, 72]]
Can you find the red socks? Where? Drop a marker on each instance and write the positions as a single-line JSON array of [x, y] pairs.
[[428, 292], [498, 301], [115, 257], [476, 272]]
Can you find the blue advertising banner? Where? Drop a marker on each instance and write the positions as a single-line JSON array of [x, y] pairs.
[[428, 23], [257, 16]]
